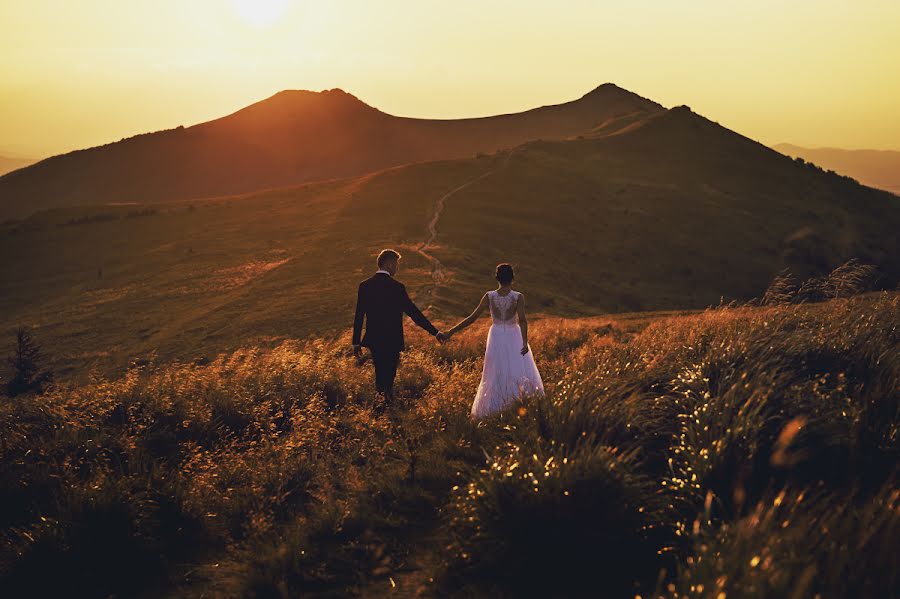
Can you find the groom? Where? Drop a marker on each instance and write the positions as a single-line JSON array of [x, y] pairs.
[[381, 302]]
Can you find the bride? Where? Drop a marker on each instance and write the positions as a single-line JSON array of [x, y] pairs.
[[509, 368]]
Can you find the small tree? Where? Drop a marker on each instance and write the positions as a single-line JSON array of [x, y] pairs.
[[27, 374]]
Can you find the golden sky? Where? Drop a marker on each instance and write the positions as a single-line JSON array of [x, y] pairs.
[[77, 73]]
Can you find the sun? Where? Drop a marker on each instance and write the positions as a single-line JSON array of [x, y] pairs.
[[260, 12]]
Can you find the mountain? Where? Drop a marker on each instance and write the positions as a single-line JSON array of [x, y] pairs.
[[290, 138], [876, 168], [9, 163], [660, 211]]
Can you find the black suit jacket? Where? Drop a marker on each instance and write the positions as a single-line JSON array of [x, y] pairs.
[[381, 301]]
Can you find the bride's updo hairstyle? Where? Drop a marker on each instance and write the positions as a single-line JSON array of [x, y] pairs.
[[504, 274]]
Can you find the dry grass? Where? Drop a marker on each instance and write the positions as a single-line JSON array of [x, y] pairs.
[[750, 451]]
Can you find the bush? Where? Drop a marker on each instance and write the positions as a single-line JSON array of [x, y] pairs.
[[555, 522], [849, 279], [799, 544], [28, 375]]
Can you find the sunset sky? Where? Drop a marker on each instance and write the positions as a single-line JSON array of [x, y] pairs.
[[809, 72]]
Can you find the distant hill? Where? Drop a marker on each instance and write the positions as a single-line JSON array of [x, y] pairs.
[[876, 168], [9, 163], [290, 138], [667, 210]]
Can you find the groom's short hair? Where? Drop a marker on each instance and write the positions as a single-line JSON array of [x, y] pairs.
[[386, 256]]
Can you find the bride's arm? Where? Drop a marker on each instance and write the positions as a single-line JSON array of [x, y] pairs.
[[472, 317], [523, 322]]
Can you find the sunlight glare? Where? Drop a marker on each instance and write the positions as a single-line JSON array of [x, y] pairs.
[[259, 12]]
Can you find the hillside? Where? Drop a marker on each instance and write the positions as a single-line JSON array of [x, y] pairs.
[[669, 211], [290, 138], [876, 168], [744, 451], [9, 163]]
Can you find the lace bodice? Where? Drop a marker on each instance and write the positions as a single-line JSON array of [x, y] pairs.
[[503, 307]]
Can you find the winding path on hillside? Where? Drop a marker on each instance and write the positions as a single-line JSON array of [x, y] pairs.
[[439, 273]]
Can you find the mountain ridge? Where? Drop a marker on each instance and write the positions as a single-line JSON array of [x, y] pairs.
[[876, 168], [294, 136], [663, 211]]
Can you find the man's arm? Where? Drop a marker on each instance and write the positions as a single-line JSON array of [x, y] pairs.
[[410, 308], [359, 317]]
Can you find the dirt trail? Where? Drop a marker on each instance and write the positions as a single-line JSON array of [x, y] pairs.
[[440, 274]]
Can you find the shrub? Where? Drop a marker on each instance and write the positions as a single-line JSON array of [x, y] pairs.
[[28, 374], [555, 522], [799, 544]]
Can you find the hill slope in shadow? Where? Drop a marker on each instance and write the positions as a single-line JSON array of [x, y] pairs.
[[669, 210], [878, 168], [289, 138], [665, 211]]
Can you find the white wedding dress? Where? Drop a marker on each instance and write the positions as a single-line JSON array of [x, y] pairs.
[[507, 374]]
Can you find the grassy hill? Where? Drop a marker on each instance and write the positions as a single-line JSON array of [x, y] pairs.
[[671, 210], [293, 137], [737, 452], [660, 212], [877, 168], [187, 280]]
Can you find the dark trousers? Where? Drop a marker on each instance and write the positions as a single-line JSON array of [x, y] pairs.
[[385, 361]]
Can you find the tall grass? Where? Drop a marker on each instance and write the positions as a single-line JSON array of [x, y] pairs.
[[750, 451]]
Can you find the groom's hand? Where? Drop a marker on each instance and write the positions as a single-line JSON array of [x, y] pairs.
[[441, 337], [357, 351]]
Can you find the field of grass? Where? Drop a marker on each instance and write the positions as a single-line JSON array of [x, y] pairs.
[[735, 452], [107, 285], [668, 212], [672, 212]]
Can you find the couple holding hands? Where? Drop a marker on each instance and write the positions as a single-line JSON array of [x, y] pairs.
[[509, 369]]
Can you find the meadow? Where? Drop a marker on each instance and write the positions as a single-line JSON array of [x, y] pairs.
[[740, 451], [716, 320], [667, 212]]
